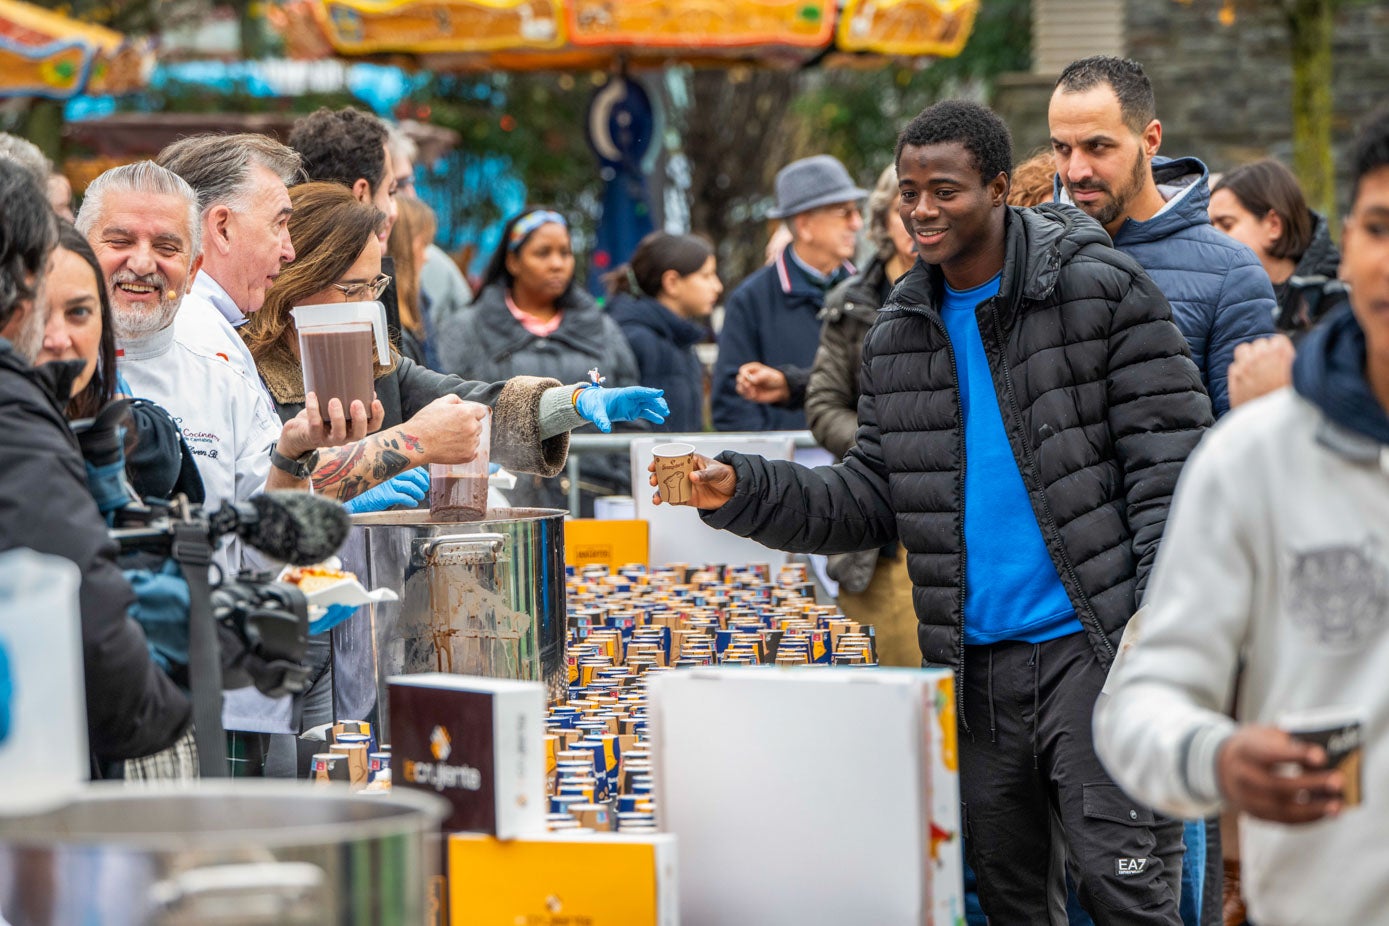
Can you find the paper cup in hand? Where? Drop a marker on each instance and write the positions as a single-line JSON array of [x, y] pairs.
[[674, 463], [1339, 731]]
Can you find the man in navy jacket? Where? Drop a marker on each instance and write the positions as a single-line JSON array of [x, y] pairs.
[[1105, 137], [771, 326]]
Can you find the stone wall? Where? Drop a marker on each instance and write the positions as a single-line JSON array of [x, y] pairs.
[[1223, 92]]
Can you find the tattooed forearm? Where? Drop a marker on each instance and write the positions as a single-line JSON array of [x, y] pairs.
[[346, 472], [336, 464]]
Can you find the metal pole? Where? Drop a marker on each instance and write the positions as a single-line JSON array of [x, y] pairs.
[[622, 442], [573, 468]]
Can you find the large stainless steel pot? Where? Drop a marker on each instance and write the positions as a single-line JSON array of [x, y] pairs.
[[244, 852], [477, 598]]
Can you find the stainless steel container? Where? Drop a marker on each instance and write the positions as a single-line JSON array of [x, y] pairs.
[[243, 852], [476, 598]]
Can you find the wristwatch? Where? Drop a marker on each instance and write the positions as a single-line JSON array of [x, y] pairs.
[[300, 468]]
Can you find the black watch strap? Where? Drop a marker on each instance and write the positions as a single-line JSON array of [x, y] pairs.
[[300, 468]]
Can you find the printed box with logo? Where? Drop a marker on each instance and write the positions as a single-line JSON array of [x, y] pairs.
[[478, 742], [770, 778], [611, 543], [602, 879]]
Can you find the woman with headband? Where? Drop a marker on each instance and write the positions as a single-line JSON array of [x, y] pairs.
[[531, 414], [529, 319]]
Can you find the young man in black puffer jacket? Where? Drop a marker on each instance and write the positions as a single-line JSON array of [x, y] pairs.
[[1026, 400]]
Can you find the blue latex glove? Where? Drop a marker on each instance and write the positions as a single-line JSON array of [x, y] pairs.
[[403, 491], [631, 403], [6, 691], [333, 615], [161, 608]]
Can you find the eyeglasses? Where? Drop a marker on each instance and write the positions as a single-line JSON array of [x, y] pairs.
[[372, 288], [842, 211]]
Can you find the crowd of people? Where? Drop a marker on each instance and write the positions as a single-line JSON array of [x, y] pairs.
[[1029, 359]]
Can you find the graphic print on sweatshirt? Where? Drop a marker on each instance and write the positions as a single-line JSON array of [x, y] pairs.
[[1339, 593]]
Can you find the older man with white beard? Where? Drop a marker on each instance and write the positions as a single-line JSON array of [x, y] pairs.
[[142, 221]]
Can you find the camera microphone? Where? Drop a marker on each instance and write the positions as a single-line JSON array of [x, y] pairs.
[[295, 527]]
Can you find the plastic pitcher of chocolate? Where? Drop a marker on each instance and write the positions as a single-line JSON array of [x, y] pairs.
[[458, 492], [336, 342]]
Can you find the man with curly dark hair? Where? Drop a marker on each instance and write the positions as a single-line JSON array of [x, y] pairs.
[[349, 147], [1026, 407]]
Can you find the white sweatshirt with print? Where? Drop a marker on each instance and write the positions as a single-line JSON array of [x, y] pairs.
[[1273, 575]]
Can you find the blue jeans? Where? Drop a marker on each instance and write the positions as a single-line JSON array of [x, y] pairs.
[[974, 914]]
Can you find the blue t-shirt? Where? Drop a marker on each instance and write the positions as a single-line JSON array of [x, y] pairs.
[[1012, 590]]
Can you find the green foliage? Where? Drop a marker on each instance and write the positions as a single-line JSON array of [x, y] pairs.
[[176, 96], [135, 17], [532, 122]]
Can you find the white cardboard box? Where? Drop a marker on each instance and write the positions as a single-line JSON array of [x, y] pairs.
[[677, 533], [805, 796]]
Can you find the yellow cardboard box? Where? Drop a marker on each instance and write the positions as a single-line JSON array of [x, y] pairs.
[[612, 543], [600, 879]]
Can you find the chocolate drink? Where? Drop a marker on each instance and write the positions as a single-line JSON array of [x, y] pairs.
[[338, 364], [458, 498]]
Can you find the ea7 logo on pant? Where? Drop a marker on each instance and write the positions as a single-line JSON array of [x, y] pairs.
[[1128, 867]]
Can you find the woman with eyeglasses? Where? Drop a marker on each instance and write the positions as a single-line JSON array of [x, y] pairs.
[[338, 259], [530, 318], [426, 418]]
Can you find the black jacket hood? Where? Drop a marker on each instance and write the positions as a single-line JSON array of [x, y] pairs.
[[578, 328], [860, 296], [55, 379], [1321, 257]]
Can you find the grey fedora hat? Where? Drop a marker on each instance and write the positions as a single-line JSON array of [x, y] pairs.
[[813, 182]]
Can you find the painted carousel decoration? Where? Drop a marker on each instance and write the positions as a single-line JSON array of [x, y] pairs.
[[46, 54]]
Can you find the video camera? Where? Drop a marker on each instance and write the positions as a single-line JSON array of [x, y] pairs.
[[262, 624], [243, 630]]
